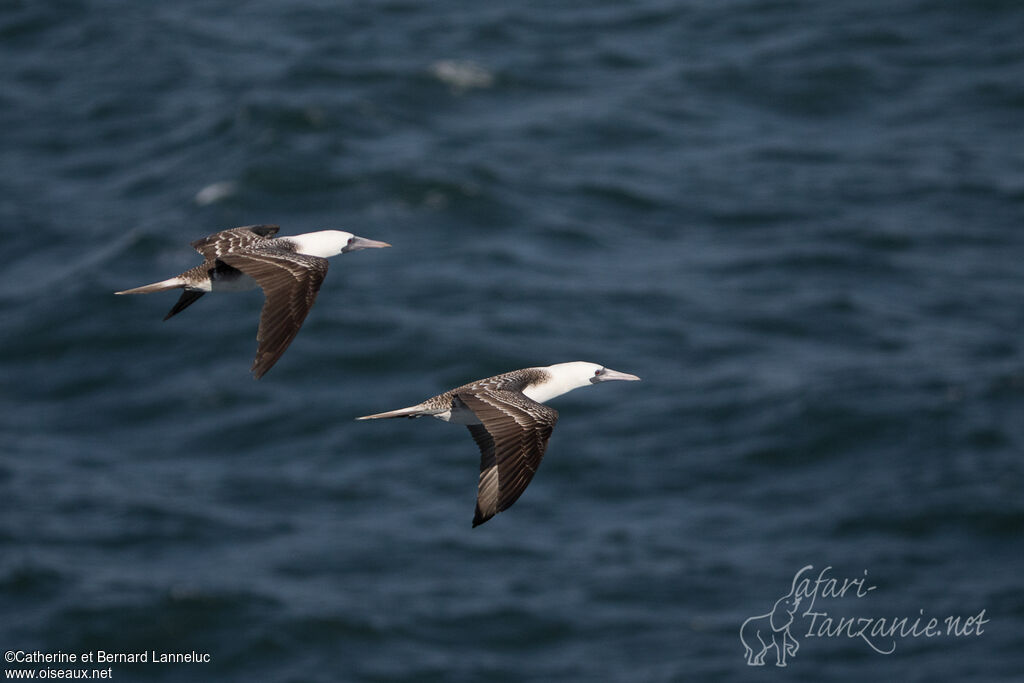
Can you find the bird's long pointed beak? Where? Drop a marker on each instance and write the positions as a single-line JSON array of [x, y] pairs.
[[357, 243], [610, 374]]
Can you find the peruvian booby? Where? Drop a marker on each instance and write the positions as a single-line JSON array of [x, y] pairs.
[[290, 271], [509, 422]]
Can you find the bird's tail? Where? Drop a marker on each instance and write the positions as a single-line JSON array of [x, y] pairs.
[[411, 411], [162, 286]]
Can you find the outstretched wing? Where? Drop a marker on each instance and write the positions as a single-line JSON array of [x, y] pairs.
[[512, 439], [290, 283], [220, 243]]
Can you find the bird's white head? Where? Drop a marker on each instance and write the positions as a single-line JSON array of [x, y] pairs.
[[327, 243], [564, 377]]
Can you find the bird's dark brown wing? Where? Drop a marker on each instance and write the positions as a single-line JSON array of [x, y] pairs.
[[290, 283], [512, 439], [220, 243], [187, 298]]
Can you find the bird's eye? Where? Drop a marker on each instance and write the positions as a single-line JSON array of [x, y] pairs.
[[597, 373]]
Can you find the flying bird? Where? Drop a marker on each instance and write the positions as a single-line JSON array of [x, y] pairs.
[[509, 422], [290, 271]]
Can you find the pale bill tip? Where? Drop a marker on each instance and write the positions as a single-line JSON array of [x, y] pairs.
[[610, 374]]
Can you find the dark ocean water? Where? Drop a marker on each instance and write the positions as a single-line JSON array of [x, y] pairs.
[[801, 223]]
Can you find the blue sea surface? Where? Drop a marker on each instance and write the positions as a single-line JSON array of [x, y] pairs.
[[801, 223]]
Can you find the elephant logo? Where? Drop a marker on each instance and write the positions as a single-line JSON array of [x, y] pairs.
[[766, 631]]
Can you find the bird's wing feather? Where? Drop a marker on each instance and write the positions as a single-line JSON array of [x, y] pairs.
[[290, 283], [187, 298], [220, 243], [512, 439]]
